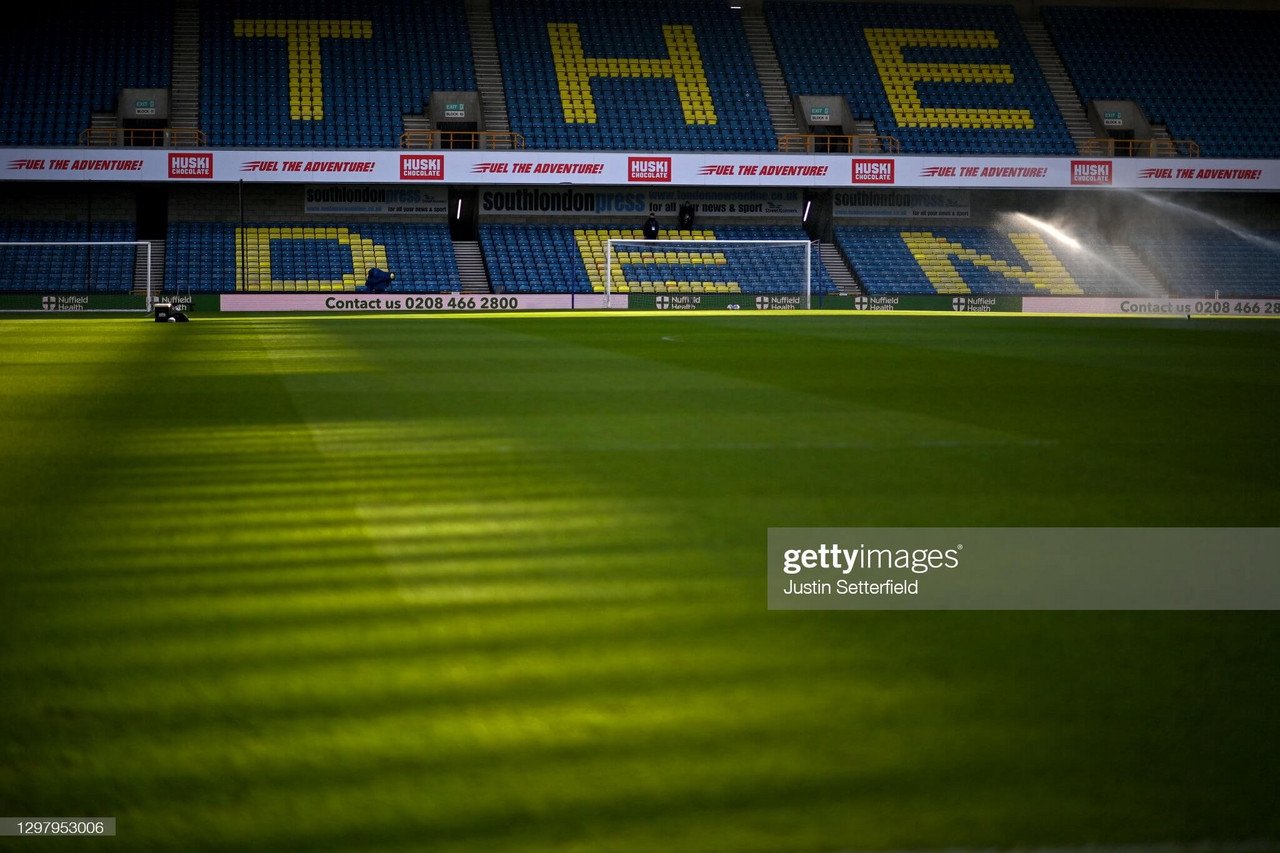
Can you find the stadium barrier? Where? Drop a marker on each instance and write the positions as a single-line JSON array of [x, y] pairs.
[[824, 143], [489, 140], [143, 137], [1139, 148]]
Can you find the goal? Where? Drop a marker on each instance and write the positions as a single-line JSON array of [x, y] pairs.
[[64, 273], [781, 269]]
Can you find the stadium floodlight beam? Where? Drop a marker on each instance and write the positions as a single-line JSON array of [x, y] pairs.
[[1053, 231]]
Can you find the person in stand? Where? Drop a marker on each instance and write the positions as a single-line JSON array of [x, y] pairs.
[[686, 216], [651, 228], [378, 280]]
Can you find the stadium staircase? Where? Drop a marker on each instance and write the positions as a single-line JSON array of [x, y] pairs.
[[419, 123], [1138, 271], [839, 271], [471, 271], [777, 97], [1055, 74], [157, 269], [100, 122], [184, 85], [484, 53]]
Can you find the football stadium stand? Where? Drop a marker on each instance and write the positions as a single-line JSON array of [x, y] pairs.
[[659, 75], [1209, 264], [571, 259], [941, 79], [326, 73], [55, 73], [306, 257], [981, 260], [1211, 76], [66, 269], [668, 75]]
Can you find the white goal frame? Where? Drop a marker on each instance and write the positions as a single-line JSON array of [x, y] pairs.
[[151, 291], [703, 245]]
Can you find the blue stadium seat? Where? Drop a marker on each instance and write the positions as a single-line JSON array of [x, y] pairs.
[[56, 72], [1211, 76], [66, 269], [827, 49], [1213, 263], [308, 257], [550, 259], [631, 101], [982, 260], [382, 65]]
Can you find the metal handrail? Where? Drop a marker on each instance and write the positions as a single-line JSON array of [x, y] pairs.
[[835, 143], [1100, 147], [451, 139], [143, 137]]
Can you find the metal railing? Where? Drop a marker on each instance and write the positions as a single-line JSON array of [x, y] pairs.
[[143, 137], [827, 143], [1140, 148], [464, 139]]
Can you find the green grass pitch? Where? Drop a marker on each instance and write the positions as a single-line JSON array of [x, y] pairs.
[[497, 583]]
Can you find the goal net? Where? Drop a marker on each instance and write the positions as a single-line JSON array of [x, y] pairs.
[[780, 269], [64, 273]]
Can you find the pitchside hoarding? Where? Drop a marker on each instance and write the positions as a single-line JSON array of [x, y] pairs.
[[398, 303], [64, 303], [1134, 306], [706, 169], [966, 304], [393, 303]]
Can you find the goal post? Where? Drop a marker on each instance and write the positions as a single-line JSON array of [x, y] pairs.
[[749, 267], [57, 270]]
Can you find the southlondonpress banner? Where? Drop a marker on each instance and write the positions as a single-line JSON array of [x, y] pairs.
[[570, 201], [873, 202], [745, 203], [576, 201], [706, 169], [344, 199]]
